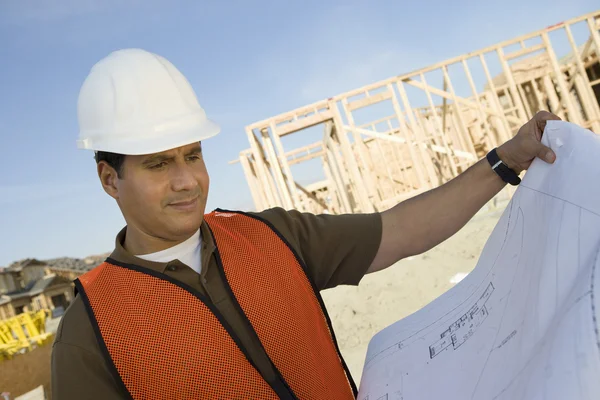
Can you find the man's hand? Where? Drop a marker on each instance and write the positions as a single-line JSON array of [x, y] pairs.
[[519, 152]]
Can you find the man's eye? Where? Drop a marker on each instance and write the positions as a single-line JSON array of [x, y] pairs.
[[193, 158], [158, 166]]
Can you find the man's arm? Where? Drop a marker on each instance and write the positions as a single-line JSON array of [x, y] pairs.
[[78, 368], [79, 374], [422, 222]]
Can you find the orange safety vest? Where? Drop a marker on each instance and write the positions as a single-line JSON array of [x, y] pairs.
[[163, 339]]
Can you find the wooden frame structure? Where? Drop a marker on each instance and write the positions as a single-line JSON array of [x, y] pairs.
[[393, 139]]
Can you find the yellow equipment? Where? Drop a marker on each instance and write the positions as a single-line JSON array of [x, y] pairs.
[[23, 332]]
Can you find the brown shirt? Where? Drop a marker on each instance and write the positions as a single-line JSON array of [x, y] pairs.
[[336, 250]]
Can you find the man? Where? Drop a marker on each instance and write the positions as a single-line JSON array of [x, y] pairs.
[[226, 305]]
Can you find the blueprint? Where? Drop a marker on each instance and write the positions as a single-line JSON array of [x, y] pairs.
[[524, 324]]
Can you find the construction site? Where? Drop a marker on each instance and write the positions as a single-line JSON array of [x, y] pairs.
[[368, 149], [361, 151], [34, 294]]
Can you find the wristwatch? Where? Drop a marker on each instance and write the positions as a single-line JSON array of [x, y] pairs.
[[503, 171]]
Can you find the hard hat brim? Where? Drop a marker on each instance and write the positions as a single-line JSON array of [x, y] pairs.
[[152, 143]]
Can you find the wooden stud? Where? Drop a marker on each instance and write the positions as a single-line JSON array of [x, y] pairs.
[[555, 105], [537, 94], [467, 144], [363, 155], [282, 187], [337, 167], [418, 135], [359, 182], [507, 133], [295, 198], [482, 115], [523, 97], [415, 164], [514, 95], [585, 90], [255, 190], [263, 171], [439, 127], [560, 79]]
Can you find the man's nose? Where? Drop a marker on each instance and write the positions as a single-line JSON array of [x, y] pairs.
[[182, 178]]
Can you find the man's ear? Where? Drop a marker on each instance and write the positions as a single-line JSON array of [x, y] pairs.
[[108, 178]]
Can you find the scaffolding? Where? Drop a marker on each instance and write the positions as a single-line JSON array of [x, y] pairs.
[[393, 139]]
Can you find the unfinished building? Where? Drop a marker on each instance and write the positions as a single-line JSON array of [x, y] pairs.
[[382, 143]]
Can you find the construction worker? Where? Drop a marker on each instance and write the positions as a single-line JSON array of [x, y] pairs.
[[226, 305]]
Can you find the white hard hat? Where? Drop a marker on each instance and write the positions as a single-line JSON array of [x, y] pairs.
[[137, 102]]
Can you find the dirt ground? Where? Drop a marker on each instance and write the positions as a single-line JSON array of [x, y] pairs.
[[26, 372], [382, 298]]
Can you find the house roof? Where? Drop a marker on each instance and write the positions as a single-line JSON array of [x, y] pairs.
[[77, 264], [65, 263], [19, 265], [39, 286], [4, 299]]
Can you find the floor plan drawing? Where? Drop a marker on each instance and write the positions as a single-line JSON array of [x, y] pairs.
[[524, 323], [464, 327]]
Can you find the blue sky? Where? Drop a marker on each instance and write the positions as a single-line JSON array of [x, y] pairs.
[[247, 60]]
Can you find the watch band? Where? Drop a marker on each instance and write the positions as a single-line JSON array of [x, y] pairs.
[[507, 174]]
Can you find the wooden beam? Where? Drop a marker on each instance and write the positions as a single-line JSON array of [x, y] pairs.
[[262, 169], [507, 132], [359, 183], [251, 179], [304, 149], [281, 158], [307, 157], [367, 101], [418, 134], [303, 123], [387, 119], [439, 126], [512, 85], [460, 100], [310, 195], [555, 106], [340, 173], [438, 149], [524, 52], [562, 84], [584, 85], [464, 134], [482, 114], [418, 167], [283, 189], [363, 156]]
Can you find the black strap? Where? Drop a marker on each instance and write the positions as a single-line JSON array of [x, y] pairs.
[[503, 171]]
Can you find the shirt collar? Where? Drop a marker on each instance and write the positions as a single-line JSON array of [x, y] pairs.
[[121, 255]]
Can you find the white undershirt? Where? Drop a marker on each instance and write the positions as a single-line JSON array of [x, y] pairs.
[[187, 252]]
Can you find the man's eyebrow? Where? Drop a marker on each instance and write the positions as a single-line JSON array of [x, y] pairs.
[[155, 159], [164, 157], [196, 150]]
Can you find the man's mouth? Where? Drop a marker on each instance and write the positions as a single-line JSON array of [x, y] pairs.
[[186, 205]]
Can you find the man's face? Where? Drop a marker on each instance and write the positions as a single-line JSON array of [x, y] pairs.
[[164, 194]]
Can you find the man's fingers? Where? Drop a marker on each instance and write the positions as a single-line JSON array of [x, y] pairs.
[[546, 154], [541, 117], [545, 116]]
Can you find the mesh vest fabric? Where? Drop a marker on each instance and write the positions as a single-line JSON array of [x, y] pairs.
[[164, 340], [278, 299], [161, 349]]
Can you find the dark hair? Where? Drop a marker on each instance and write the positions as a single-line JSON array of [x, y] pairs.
[[115, 160]]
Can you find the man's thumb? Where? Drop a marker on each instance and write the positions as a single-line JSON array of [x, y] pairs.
[[546, 154]]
